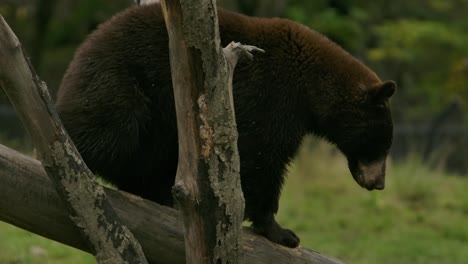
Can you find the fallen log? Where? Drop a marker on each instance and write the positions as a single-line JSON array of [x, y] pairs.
[[29, 201]]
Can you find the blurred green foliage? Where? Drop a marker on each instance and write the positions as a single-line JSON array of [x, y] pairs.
[[51, 30], [422, 44]]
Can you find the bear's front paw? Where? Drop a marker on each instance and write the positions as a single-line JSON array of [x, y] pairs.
[[275, 233]]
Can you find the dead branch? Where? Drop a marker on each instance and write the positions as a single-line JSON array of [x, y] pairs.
[[29, 201], [207, 187], [84, 197]]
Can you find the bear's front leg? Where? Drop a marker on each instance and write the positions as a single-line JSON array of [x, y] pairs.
[[262, 170], [269, 228], [261, 205]]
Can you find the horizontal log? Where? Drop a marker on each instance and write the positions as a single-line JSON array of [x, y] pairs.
[[28, 201]]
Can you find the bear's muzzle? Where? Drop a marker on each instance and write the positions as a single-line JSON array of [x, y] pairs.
[[371, 175]]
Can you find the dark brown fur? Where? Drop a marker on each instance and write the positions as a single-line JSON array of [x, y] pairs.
[[117, 104]]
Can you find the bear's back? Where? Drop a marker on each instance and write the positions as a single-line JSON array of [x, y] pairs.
[[116, 99]]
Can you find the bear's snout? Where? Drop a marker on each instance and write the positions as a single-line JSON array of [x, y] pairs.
[[371, 175]]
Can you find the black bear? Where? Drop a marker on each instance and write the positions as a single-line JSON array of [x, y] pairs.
[[117, 104]]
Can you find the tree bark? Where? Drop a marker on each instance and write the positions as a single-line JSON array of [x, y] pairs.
[[84, 197], [207, 187], [29, 201]]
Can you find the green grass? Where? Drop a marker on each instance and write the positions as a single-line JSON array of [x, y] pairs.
[[421, 216], [18, 246]]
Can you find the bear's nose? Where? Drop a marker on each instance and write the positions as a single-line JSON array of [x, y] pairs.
[[378, 184], [373, 174]]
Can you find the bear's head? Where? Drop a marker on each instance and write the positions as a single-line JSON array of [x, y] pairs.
[[352, 111], [348, 104], [363, 131]]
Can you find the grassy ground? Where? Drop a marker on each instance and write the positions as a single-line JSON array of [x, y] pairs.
[[421, 217], [18, 246]]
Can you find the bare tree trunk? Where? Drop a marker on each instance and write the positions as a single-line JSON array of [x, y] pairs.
[[29, 201], [207, 187], [74, 182]]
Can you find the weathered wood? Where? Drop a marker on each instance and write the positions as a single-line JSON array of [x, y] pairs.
[[29, 201], [84, 197], [207, 187]]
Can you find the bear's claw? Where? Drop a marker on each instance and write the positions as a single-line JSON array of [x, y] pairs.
[[275, 233]]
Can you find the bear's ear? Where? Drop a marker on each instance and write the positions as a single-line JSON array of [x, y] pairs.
[[383, 91]]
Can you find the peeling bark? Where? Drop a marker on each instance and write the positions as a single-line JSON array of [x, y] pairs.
[[85, 199], [29, 201], [207, 187]]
